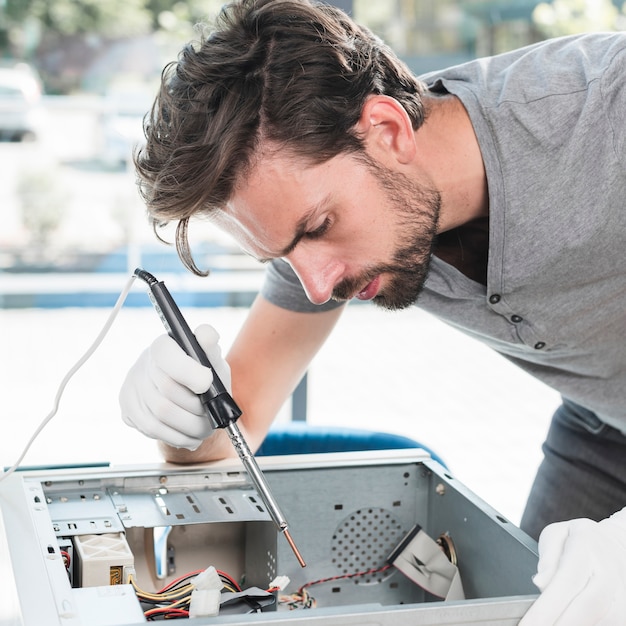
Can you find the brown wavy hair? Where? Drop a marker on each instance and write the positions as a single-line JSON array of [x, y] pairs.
[[292, 72]]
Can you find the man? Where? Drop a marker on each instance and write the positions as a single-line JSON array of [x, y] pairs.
[[490, 194]]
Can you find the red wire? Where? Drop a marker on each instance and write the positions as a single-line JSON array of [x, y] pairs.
[[66, 558], [166, 612], [179, 579], [229, 578], [374, 570]]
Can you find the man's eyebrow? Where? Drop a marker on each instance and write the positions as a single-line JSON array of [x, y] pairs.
[[301, 229]]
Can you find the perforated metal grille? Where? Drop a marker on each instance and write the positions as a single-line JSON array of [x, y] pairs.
[[363, 541], [271, 565]]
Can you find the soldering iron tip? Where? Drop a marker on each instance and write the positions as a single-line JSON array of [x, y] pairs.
[[293, 547]]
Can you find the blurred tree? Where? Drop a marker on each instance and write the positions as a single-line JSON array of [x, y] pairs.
[[117, 18], [43, 203], [113, 18]]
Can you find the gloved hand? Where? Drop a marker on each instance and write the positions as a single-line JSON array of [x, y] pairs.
[[581, 574], [159, 396]]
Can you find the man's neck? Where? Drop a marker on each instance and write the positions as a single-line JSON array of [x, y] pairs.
[[449, 152]]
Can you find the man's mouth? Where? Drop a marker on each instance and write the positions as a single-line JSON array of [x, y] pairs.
[[370, 290]]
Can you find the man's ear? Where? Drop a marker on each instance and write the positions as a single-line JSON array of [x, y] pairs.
[[386, 129]]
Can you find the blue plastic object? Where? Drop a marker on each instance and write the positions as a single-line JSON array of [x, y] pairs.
[[303, 438]]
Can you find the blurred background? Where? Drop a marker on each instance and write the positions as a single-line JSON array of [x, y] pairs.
[[76, 78]]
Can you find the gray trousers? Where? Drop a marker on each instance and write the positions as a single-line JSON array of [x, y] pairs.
[[583, 473]]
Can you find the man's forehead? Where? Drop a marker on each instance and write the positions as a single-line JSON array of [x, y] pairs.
[[278, 182], [273, 208]]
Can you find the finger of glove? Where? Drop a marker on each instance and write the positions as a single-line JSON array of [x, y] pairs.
[[146, 384], [162, 432], [551, 545], [168, 358], [163, 411], [152, 427], [158, 417], [208, 338], [161, 390]]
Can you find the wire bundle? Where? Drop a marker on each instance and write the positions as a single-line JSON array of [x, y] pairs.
[[172, 601], [301, 599]]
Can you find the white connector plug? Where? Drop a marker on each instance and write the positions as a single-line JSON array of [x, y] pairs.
[[280, 582], [208, 579], [128, 572], [205, 603]]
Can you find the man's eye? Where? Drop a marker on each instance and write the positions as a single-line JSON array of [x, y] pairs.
[[320, 230]]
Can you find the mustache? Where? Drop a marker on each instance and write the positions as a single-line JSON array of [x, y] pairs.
[[349, 287]]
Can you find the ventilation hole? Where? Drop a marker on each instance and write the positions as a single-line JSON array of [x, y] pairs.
[[356, 550], [271, 566]]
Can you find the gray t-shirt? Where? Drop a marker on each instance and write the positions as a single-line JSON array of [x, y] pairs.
[[551, 124]]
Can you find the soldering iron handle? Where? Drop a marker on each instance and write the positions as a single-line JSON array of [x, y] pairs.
[[217, 401]]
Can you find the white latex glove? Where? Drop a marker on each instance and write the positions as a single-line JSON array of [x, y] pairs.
[[581, 574], [159, 396]]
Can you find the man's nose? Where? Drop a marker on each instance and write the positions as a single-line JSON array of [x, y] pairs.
[[317, 273]]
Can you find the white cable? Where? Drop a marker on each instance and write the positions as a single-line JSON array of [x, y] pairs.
[[73, 370]]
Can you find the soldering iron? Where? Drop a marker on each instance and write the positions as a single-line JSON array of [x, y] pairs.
[[220, 407]]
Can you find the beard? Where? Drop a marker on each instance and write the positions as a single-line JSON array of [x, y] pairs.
[[417, 206]]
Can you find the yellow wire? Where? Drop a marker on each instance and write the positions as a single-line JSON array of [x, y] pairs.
[[168, 596], [156, 596]]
